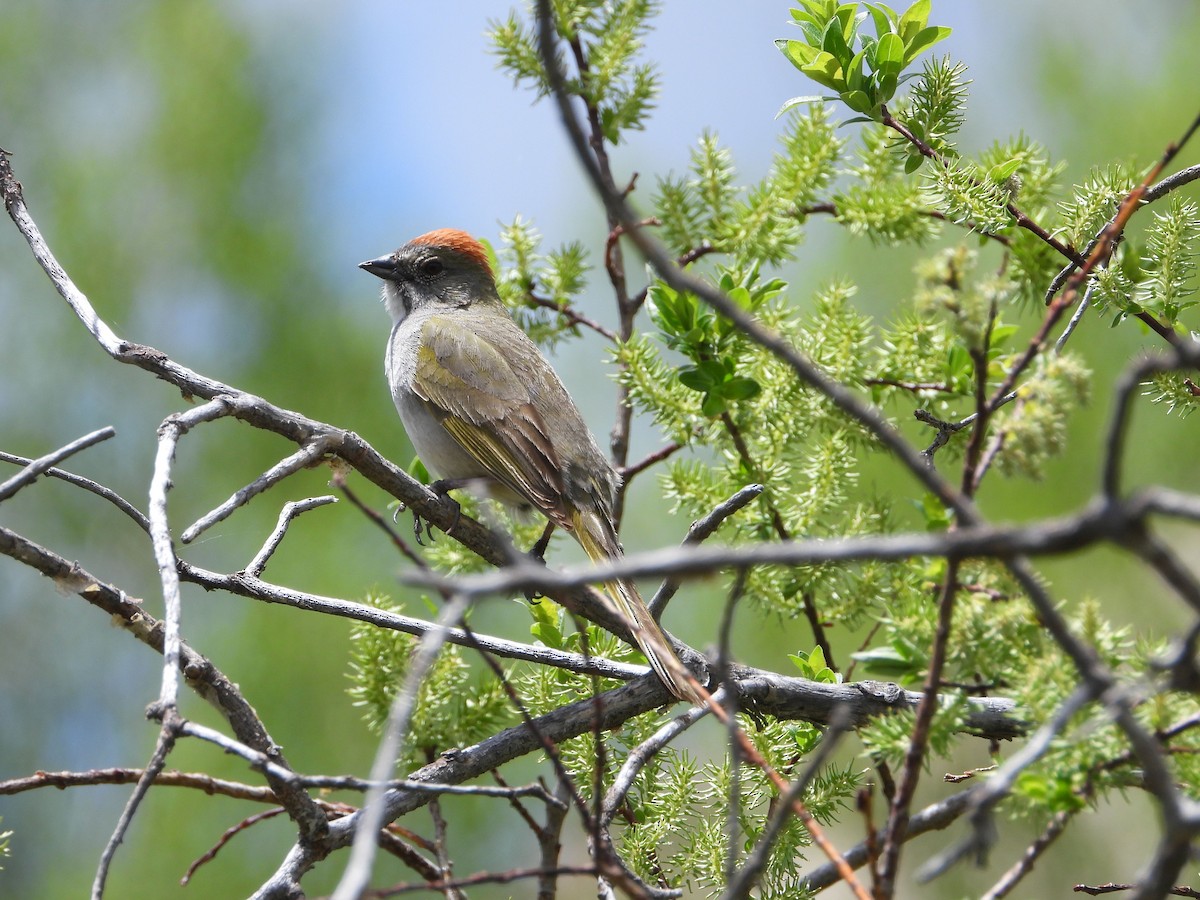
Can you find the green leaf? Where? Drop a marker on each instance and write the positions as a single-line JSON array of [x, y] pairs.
[[814, 667], [546, 625], [741, 296], [1003, 171], [884, 18], [796, 101], [798, 53], [886, 661], [887, 87], [937, 517], [889, 54], [923, 40], [1131, 261], [740, 388], [713, 405], [958, 361], [913, 162], [824, 69], [1002, 333], [417, 470], [913, 20], [834, 43], [856, 79], [696, 379], [846, 15], [859, 101], [609, 126]]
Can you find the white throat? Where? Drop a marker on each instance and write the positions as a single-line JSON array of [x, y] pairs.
[[393, 299]]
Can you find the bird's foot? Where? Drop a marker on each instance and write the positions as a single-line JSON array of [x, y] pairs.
[[442, 487], [538, 553]]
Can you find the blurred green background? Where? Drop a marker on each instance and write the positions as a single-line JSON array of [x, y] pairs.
[[210, 173]]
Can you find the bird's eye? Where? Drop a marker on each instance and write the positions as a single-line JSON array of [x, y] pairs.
[[432, 266]]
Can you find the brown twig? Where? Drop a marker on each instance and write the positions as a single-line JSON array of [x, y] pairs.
[[628, 472], [572, 315], [830, 208], [808, 605], [226, 836], [1019, 217], [899, 813], [1098, 256]]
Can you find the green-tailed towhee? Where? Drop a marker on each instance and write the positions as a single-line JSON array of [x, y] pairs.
[[480, 402]]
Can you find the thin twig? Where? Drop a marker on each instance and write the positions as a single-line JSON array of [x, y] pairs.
[[934, 817], [88, 485], [986, 795], [1019, 217], [290, 511], [550, 843], [301, 459], [628, 472], [246, 585], [830, 208], [40, 466], [641, 755], [372, 816], [156, 764], [169, 433], [1076, 318], [1022, 867], [572, 315], [226, 836], [745, 878], [914, 758], [506, 877], [699, 531]]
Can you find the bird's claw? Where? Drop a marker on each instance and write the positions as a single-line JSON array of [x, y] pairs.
[[442, 487], [538, 553], [417, 522]]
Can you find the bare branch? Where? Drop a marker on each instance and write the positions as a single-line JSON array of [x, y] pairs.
[[203, 677], [41, 465], [301, 459], [290, 511], [200, 781], [88, 485], [246, 585], [169, 434], [934, 817], [153, 768], [1113, 887], [698, 532], [1099, 521], [572, 315], [257, 759], [160, 536], [374, 814], [747, 876], [1010, 879], [640, 755]]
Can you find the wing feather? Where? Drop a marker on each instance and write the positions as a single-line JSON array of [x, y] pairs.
[[487, 409]]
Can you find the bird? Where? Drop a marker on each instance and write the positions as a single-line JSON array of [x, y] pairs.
[[482, 406]]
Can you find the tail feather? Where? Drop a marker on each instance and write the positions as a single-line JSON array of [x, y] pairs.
[[598, 539]]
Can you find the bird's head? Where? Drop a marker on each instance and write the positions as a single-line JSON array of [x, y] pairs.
[[446, 268]]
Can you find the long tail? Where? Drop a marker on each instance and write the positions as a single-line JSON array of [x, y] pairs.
[[598, 539]]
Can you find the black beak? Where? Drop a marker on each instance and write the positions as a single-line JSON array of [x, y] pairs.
[[384, 267]]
